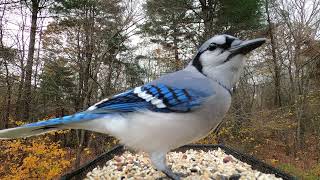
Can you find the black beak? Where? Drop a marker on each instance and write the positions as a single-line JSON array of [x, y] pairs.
[[246, 46]]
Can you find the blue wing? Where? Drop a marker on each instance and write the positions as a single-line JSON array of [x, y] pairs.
[[157, 98]]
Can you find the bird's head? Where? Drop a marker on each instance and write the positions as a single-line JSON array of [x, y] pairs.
[[222, 58]]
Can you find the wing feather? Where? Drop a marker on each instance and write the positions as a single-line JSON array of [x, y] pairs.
[[181, 91], [158, 98]]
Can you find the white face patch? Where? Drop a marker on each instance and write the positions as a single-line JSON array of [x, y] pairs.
[[236, 42], [219, 39], [213, 58]]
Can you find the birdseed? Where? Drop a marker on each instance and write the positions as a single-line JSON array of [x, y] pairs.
[[193, 165]]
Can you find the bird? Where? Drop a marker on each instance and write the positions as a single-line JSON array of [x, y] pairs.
[[174, 110]]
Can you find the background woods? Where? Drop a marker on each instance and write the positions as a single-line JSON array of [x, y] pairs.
[[61, 56]]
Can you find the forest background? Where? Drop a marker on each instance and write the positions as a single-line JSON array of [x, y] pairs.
[[58, 57]]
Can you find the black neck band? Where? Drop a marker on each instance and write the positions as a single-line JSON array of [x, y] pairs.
[[225, 87], [196, 62]]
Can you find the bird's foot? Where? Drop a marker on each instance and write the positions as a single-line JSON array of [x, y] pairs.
[[170, 174], [158, 159]]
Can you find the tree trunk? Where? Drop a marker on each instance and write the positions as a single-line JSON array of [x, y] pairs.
[[19, 101], [27, 83], [80, 136], [6, 101], [20, 91], [178, 64], [86, 95], [276, 67], [208, 8]]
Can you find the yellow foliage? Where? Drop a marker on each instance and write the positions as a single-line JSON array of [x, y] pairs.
[[36, 158], [274, 161], [87, 151], [19, 123], [210, 139]]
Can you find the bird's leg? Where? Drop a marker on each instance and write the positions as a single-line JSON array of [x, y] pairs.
[[158, 159]]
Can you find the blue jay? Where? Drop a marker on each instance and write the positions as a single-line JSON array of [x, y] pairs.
[[174, 110]]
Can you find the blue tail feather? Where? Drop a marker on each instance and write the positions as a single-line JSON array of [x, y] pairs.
[[41, 127], [78, 117]]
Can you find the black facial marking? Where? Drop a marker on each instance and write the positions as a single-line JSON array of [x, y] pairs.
[[229, 57], [228, 43], [196, 62], [212, 46]]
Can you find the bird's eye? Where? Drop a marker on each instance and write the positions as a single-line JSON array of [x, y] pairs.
[[212, 47]]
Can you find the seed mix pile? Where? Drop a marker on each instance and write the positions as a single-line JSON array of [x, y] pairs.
[[193, 165]]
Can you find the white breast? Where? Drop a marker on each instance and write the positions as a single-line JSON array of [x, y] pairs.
[[151, 131]]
